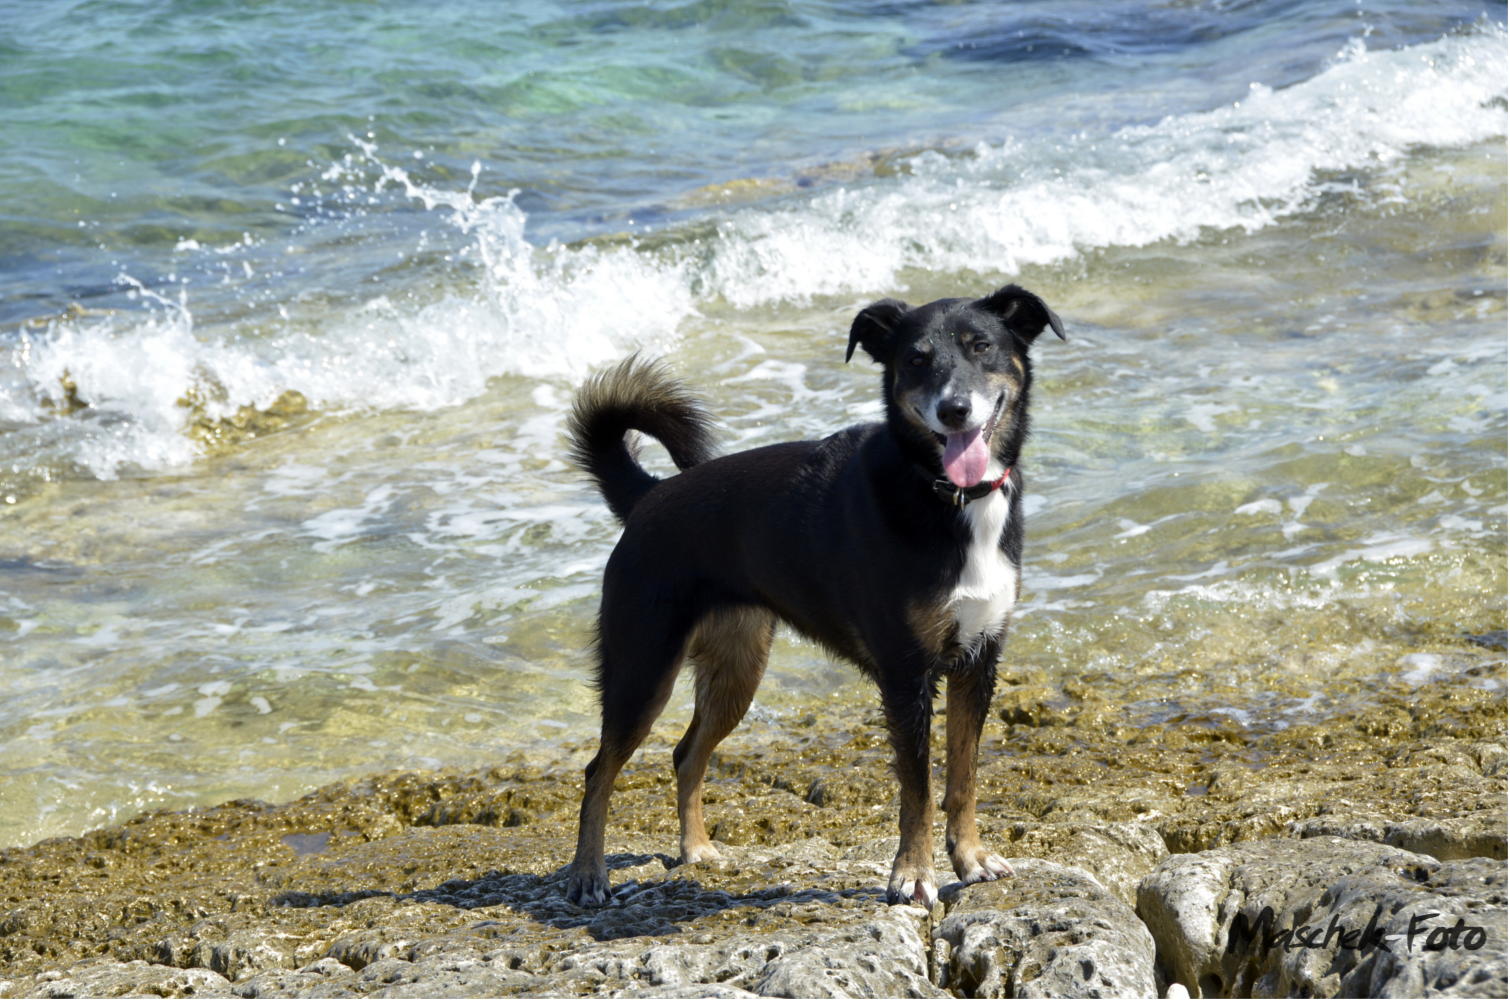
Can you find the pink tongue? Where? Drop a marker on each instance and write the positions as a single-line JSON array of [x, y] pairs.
[[966, 458]]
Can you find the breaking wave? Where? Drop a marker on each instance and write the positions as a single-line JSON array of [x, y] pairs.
[[555, 312]]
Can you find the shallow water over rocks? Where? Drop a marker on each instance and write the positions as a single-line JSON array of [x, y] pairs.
[[415, 882]]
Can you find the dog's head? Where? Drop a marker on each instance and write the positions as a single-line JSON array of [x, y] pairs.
[[957, 373]]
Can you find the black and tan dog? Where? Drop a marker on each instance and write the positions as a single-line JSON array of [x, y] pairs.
[[896, 546]]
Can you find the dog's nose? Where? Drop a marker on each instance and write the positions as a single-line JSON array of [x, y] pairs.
[[954, 411]]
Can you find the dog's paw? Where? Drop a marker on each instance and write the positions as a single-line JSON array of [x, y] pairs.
[[702, 852], [980, 865], [913, 888], [587, 889]]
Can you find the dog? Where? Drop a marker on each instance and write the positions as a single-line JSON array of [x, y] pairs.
[[895, 545]]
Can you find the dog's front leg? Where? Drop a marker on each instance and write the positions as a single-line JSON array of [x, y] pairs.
[[908, 704], [968, 701]]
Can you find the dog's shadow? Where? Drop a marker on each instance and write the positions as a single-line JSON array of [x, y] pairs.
[[659, 897]]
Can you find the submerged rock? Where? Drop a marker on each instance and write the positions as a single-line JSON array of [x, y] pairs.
[[1328, 917]]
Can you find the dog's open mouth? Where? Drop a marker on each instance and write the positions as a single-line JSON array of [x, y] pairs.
[[968, 453]]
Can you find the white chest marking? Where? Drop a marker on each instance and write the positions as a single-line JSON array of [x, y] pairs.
[[987, 588]]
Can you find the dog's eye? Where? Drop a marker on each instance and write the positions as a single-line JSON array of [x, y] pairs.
[[982, 346], [917, 360]]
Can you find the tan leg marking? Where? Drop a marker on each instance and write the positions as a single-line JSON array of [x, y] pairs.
[[972, 862], [729, 651], [932, 622]]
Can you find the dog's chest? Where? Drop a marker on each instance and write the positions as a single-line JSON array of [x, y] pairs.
[[986, 590]]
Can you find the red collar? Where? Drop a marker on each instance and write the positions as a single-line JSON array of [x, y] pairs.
[[959, 496]]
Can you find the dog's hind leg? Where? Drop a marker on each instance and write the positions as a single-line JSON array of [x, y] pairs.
[[968, 701], [729, 651], [641, 655]]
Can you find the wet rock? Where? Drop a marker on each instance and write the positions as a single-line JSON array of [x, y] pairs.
[[1453, 784], [1051, 931], [221, 433], [1481, 835], [1327, 917]]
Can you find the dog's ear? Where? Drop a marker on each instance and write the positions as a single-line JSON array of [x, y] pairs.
[[1022, 312], [872, 329]]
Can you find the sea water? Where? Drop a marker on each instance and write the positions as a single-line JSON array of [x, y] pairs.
[[295, 297]]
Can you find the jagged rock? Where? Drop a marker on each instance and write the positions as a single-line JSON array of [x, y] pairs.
[[1117, 854], [701, 991], [1327, 917], [1050, 931], [1445, 906], [245, 953], [1453, 838], [108, 978], [881, 955], [303, 982], [422, 885], [440, 978]]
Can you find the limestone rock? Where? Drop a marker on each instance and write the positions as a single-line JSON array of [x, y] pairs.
[[1117, 854], [1452, 838], [1445, 905], [303, 982], [436, 883], [882, 954], [1326, 917], [109, 978], [883, 957], [245, 953], [701, 991], [1050, 931]]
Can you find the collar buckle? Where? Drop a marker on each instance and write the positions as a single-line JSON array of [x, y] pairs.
[[959, 496]]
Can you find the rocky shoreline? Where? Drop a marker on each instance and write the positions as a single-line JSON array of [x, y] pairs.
[[1142, 855]]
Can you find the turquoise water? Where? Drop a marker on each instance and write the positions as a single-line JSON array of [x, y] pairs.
[[1268, 476]]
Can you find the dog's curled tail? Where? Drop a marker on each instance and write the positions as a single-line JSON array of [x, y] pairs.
[[635, 395]]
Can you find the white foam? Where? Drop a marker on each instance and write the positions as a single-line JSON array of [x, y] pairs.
[[1024, 202], [1378, 548], [1203, 415], [556, 312], [1422, 667]]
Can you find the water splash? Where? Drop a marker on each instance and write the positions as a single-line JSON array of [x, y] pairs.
[[555, 312]]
